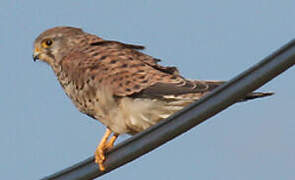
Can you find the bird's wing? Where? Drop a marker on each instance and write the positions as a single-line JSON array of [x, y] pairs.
[[128, 72], [133, 50]]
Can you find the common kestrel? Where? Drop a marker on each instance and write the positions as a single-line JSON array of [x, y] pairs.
[[115, 83]]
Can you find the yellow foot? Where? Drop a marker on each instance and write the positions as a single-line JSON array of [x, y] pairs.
[[100, 157], [103, 147]]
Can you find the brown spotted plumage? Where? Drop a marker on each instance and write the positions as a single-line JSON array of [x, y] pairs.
[[115, 83]]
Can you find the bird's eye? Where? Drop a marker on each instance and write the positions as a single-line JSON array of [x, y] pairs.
[[47, 43]]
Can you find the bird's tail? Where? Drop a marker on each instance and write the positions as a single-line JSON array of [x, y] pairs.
[[255, 95], [213, 84]]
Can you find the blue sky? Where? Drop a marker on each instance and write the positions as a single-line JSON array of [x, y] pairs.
[[41, 132]]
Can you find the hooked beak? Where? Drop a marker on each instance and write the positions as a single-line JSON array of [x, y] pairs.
[[36, 54]]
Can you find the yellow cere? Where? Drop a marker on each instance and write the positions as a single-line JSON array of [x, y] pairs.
[[36, 50]]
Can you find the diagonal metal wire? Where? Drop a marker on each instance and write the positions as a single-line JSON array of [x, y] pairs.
[[186, 119]]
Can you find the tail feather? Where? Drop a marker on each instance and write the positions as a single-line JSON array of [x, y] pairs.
[[255, 95]]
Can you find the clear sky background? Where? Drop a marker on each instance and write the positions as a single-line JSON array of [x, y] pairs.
[[41, 132]]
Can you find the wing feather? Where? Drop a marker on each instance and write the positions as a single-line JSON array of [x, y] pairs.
[[127, 72]]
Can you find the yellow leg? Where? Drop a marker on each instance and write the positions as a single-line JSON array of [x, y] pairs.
[[111, 142], [104, 146], [100, 149]]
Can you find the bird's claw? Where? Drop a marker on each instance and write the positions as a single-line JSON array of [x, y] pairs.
[[103, 147], [100, 156]]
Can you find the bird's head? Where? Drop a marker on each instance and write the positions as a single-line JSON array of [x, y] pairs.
[[53, 44]]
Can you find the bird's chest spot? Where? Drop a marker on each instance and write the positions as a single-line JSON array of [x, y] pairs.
[[79, 94]]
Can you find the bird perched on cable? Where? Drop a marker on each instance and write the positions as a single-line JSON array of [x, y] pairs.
[[115, 83]]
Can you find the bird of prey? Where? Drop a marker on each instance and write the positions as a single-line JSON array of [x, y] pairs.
[[116, 83]]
